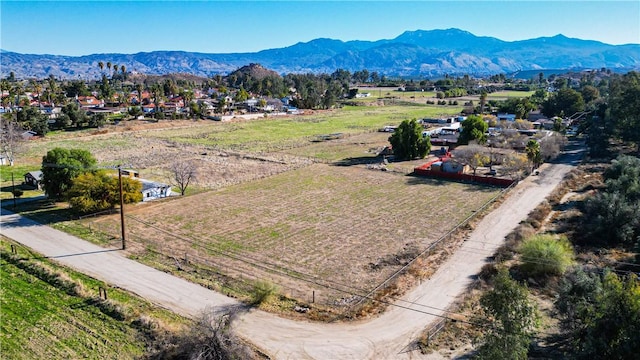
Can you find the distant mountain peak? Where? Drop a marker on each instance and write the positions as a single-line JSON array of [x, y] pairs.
[[415, 53]]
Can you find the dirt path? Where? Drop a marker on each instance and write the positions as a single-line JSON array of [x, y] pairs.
[[385, 337]]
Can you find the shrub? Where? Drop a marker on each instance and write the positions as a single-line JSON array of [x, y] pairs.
[[263, 291], [544, 255]]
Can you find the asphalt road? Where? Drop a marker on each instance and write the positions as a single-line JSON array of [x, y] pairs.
[[388, 336]]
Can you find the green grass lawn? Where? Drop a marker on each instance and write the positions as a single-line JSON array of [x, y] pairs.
[[7, 184], [509, 94], [275, 134], [49, 312]]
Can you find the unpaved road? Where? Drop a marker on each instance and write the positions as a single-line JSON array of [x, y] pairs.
[[385, 337]]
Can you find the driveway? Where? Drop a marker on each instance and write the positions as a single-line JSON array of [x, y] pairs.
[[385, 337]]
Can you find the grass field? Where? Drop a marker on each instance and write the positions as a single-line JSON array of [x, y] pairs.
[[507, 94], [7, 184], [49, 312]]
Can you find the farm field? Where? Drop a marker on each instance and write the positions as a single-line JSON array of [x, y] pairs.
[[44, 317], [306, 229]]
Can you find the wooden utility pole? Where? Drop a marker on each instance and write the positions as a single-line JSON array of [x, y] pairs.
[[121, 207], [13, 190]]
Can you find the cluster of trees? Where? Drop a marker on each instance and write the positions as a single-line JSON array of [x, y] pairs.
[[601, 313], [71, 174], [612, 217]]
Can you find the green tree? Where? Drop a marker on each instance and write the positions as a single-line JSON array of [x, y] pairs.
[[97, 191], [532, 150], [77, 116], [30, 118], [545, 254], [59, 168], [510, 318], [602, 313], [612, 217], [407, 141], [97, 120], [473, 128], [624, 102], [565, 102]]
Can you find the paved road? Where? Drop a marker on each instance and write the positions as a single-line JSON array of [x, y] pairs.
[[385, 337]]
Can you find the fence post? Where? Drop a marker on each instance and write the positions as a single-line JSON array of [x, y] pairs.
[[13, 249], [102, 292], [313, 296]]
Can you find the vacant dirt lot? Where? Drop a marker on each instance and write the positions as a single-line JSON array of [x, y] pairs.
[[322, 227]]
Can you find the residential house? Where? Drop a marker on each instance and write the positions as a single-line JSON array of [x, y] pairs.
[[506, 117], [152, 190], [33, 178], [89, 102]]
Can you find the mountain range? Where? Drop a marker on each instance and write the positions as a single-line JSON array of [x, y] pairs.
[[420, 53]]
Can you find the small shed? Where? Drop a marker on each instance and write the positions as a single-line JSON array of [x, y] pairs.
[[33, 178], [152, 190]]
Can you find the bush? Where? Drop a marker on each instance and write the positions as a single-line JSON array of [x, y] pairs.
[[263, 291], [544, 255]]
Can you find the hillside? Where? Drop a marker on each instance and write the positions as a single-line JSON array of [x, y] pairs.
[[414, 53]]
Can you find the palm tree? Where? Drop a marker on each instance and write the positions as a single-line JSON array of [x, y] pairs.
[[101, 65], [109, 65], [38, 88], [139, 90], [52, 87], [124, 71]]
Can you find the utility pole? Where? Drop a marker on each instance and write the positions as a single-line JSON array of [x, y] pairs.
[[121, 207], [13, 190]]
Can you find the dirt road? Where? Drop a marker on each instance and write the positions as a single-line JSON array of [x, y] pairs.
[[385, 337]]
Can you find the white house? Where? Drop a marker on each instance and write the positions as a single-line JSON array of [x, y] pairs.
[[152, 190]]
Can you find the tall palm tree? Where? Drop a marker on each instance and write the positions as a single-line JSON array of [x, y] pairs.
[[109, 65], [38, 88], [124, 71], [139, 90], [101, 65]]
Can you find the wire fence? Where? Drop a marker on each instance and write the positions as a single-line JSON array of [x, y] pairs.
[[381, 288], [230, 273]]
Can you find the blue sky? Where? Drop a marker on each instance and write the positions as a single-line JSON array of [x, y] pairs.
[[87, 27]]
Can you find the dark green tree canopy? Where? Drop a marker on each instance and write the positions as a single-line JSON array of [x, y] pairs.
[[602, 314], [565, 102], [511, 320], [408, 143], [30, 118], [473, 128], [59, 168]]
